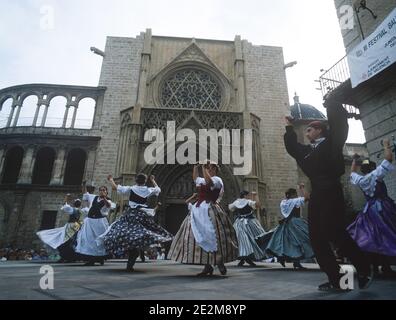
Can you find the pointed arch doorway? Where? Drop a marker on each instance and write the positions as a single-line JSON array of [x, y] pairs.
[[177, 185]]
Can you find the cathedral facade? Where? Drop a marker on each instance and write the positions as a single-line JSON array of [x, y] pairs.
[[145, 82]]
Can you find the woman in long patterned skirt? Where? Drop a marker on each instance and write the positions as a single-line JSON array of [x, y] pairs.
[[206, 236], [290, 240], [374, 229], [248, 229], [136, 229]]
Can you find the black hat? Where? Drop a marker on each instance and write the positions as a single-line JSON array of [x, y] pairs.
[[368, 166], [243, 194]]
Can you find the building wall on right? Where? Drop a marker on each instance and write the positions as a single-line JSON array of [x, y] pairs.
[[352, 37], [379, 122], [376, 102]]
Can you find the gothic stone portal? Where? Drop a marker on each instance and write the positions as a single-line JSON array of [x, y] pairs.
[[177, 185]]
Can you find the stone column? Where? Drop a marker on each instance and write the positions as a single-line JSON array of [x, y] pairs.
[[59, 167], [26, 172], [36, 114], [16, 221], [17, 116], [2, 158], [146, 56], [74, 117], [65, 116], [98, 110], [128, 151], [11, 116], [44, 115], [90, 165], [239, 75]]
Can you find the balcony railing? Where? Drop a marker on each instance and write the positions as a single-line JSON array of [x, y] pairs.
[[47, 110], [51, 122], [335, 76]]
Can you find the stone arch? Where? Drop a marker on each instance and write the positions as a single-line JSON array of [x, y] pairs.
[[6, 97], [12, 164], [56, 111], [57, 94], [27, 94], [85, 113], [44, 164], [177, 185], [28, 110], [75, 167], [5, 110]]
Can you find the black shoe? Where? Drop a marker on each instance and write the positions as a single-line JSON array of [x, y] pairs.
[[129, 267], [207, 271], [222, 269], [251, 263], [298, 266], [282, 262], [328, 287], [241, 263]]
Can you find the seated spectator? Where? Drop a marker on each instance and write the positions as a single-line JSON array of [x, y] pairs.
[[161, 254]]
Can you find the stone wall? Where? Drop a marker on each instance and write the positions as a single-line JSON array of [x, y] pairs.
[[381, 8], [120, 74], [376, 98], [267, 98]]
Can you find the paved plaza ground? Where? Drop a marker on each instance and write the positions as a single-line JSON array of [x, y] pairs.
[[166, 280]]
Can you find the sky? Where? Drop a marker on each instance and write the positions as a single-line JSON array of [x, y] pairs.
[[35, 48]]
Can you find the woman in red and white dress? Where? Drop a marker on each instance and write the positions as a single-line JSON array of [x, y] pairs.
[[206, 236]]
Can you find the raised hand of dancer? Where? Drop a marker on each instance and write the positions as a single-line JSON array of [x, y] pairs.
[[304, 193], [111, 180], [152, 180], [195, 173], [67, 198], [289, 120], [206, 174], [354, 167], [256, 199], [387, 150]]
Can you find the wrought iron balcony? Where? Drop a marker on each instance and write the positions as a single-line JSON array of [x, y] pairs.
[[335, 76]]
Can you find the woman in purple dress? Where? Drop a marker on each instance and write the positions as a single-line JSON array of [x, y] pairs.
[[374, 229]]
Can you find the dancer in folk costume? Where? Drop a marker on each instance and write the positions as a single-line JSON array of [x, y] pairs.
[[94, 225], [248, 229], [136, 229], [206, 236], [374, 229], [63, 239], [323, 162], [290, 241]]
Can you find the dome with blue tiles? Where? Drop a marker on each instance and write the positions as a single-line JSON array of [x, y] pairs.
[[301, 111]]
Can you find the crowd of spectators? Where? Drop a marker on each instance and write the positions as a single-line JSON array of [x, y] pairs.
[[17, 254]]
